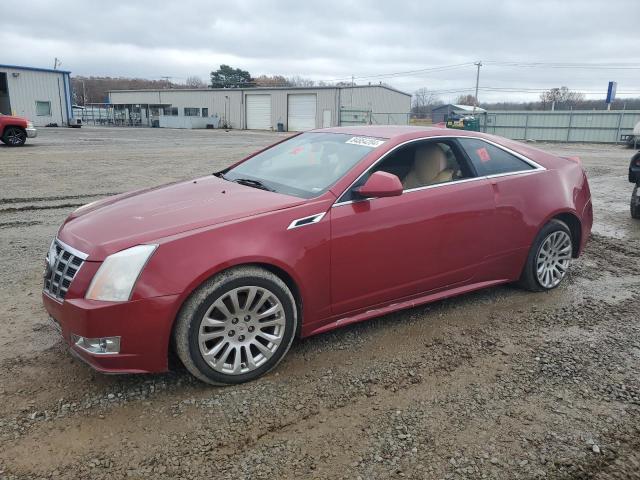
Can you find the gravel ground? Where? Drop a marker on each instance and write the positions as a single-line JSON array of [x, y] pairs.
[[497, 384]]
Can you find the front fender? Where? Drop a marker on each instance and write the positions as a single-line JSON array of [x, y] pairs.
[[183, 262]]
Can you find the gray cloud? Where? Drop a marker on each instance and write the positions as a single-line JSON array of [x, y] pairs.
[[334, 39]]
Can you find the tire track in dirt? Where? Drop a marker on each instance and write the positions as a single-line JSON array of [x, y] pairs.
[[55, 197], [19, 223], [12, 205], [30, 208]]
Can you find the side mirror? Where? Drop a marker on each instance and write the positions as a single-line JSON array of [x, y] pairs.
[[381, 184]]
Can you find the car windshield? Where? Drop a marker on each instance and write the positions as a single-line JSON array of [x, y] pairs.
[[306, 166]]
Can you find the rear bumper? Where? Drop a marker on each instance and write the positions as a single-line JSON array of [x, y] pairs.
[[31, 132], [144, 327]]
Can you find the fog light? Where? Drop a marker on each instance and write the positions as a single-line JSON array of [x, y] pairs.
[[97, 346]]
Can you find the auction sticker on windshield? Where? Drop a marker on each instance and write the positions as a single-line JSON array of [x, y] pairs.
[[365, 141]]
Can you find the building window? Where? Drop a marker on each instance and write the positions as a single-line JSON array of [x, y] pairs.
[[43, 109], [191, 112], [171, 111], [205, 112]]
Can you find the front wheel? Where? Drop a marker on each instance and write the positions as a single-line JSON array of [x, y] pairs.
[[549, 258], [236, 326], [635, 202], [14, 136]]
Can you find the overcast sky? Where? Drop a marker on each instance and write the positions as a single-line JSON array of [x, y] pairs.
[[334, 39]]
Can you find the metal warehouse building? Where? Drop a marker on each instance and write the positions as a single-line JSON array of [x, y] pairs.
[[287, 108], [38, 94], [446, 112]]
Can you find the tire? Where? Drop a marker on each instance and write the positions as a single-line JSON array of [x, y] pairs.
[[14, 136], [635, 202], [218, 335], [551, 250]]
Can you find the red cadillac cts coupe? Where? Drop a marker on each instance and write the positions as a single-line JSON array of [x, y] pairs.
[[323, 229]]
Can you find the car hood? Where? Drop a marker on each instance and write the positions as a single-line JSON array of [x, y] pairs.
[[12, 119], [115, 223]]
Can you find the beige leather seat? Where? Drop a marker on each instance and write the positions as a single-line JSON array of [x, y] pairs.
[[429, 167]]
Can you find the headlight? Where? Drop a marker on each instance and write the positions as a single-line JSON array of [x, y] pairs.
[[116, 277]]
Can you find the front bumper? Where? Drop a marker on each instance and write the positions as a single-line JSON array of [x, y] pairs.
[[31, 132], [144, 327]]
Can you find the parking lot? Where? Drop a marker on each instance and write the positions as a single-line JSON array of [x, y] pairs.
[[501, 383]]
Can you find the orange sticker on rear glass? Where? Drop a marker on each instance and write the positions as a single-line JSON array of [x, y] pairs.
[[483, 155]]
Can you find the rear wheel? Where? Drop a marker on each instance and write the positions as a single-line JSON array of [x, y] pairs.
[[236, 326], [635, 202], [14, 136], [549, 258]]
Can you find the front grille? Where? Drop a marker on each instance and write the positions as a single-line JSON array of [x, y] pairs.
[[62, 264]]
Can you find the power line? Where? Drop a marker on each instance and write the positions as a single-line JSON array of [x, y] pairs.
[[523, 90], [586, 66], [378, 76], [540, 90], [440, 68]]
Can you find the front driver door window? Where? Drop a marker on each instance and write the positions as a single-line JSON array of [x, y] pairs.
[[433, 235]]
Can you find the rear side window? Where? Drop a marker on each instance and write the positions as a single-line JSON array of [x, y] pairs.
[[491, 160]]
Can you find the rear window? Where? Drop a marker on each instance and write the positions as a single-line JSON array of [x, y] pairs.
[[491, 160]]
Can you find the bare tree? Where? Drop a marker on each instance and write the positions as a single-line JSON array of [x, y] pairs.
[[469, 100], [299, 81], [194, 81], [271, 81], [561, 98], [95, 89], [423, 102]]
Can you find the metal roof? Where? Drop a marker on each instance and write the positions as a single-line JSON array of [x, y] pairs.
[[258, 88], [35, 69], [468, 108], [460, 108]]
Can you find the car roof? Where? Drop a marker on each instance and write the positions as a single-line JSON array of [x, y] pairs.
[[401, 133], [382, 131]]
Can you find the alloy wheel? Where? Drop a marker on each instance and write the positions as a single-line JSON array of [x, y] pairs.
[[553, 259], [241, 330], [15, 136]]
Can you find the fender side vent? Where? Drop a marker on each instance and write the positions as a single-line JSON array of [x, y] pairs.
[[301, 222]]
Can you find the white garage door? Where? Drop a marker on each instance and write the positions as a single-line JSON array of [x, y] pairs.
[[259, 112], [302, 112]]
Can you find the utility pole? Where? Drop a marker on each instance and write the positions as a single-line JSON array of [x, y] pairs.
[[56, 63], [167, 79], [475, 103], [351, 92]]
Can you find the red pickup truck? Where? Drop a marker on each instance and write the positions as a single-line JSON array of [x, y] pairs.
[[15, 130]]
